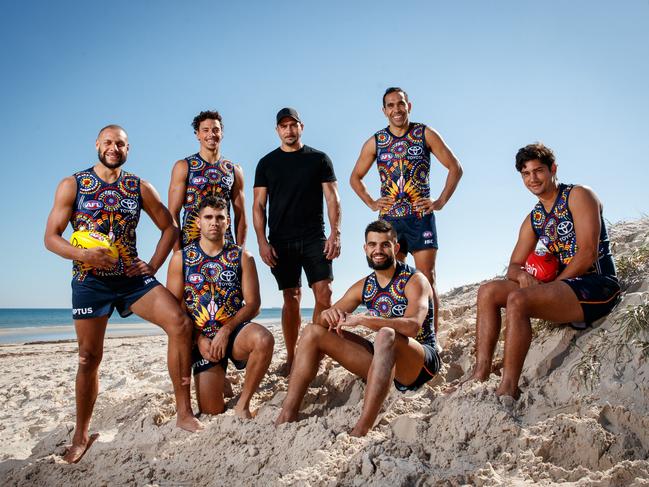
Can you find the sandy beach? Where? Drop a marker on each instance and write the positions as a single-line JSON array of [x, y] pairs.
[[583, 417]]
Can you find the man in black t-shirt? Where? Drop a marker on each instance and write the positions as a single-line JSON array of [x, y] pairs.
[[292, 179]]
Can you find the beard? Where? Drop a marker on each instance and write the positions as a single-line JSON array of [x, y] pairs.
[[115, 165], [386, 264]]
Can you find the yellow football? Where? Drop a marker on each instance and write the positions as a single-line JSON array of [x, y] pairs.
[[87, 239]]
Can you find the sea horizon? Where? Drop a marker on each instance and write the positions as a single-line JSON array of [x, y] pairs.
[[29, 325]]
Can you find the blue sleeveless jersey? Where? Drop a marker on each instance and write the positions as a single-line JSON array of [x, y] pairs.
[[391, 301], [556, 230], [404, 168], [112, 209], [212, 286], [205, 179]]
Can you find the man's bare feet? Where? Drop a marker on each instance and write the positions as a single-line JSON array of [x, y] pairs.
[[75, 452], [514, 393], [359, 431], [285, 417], [284, 370], [189, 423], [244, 413]]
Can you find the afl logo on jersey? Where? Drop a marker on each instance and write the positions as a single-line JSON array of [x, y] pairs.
[[427, 234], [415, 150], [195, 279], [198, 180], [386, 156], [93, 205], [128, 204]]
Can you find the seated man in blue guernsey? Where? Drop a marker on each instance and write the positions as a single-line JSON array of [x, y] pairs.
[[568, 220], [399, 303], [217, 283]]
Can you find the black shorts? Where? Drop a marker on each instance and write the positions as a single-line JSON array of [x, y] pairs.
[[99, 296], [414, 233], [597, 295], [432, 364], [201, 364], [293, 256]]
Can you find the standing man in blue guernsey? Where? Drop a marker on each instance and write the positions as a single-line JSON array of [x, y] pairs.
[[292, 180], [399, 302], [107, 199], [217, 283], [203, 174], [568, 220], [402, 154]]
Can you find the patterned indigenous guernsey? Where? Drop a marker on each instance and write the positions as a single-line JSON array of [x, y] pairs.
[[391, 301], [205, 179], [112, 209], [556, 231], [212, 286], [404, 169]]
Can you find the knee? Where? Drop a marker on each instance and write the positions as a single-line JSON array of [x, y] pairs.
[[322, 295], [180, 326], [517, 302], [265, 342], [89, 360], [487, 292], [292, 296], [312, 334], [385, 339]]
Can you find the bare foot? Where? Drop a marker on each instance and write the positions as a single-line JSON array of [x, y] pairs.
[[227, 388], [75, 452], [189, 423], [503, 391], [243, 413], [285, 370], [358, 432], [285, 417], [455, 385]]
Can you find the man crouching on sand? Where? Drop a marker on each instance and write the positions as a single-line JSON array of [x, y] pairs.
[[218, 285], [399, 301]]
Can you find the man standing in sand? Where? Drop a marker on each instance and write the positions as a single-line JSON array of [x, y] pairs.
[[399, 301], [203, 174], [217, 283], [293, 179], [402, 154], [568, 221], [106, 199]]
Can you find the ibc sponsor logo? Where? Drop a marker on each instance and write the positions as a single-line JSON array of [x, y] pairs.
[[148, 280], [199, 180], [93, 205]]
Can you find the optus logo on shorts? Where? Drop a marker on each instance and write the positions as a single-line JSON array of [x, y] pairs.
[[82, 311]]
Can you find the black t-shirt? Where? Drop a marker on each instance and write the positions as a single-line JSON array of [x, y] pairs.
[[294, 183]]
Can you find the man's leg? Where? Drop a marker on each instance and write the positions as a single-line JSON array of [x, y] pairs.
[[492, 296], [322, 295], [352, 352], [90, 337], [209, 390], [254, 344], [291, 320], [425, 262], [160, 307], [393, 354], [554, 301]]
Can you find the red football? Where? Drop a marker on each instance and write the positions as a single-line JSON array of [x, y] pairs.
[[543, 265]]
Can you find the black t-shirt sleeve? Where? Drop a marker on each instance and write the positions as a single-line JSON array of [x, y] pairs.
[[328, 175], [261, 181]]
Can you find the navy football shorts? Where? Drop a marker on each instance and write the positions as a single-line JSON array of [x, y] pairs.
[[414, 233]]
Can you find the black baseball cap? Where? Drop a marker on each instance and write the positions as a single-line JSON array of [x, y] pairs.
[[288, 112]]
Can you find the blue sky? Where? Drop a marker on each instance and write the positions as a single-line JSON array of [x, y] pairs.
[[489, 76]]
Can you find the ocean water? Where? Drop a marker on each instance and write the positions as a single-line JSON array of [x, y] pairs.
[[25, 325]]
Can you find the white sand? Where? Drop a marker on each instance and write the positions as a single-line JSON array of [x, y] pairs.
[[560, 432]]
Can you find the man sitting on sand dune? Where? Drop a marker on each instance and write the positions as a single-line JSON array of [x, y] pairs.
[[399, 301], [218, 285]]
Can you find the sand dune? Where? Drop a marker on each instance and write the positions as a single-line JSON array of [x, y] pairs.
[[582, 418]]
